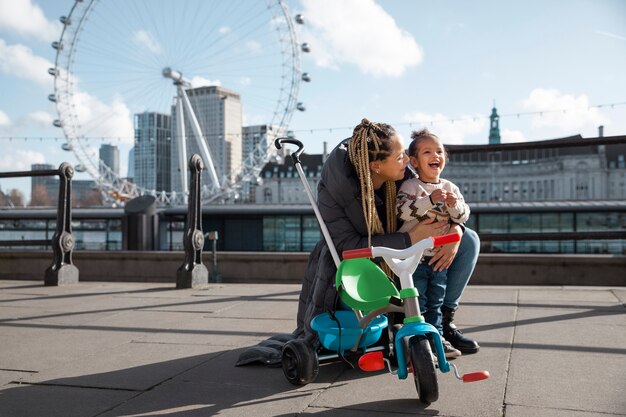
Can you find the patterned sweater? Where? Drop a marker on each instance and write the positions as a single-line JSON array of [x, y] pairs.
[[413, 204]]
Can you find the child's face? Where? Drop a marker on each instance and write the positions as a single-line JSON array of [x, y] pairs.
[[429, 160]]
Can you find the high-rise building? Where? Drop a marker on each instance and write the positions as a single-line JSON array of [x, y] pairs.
[[110, 156], [131, 164], [152, 151], [257, 140], [219, 114]]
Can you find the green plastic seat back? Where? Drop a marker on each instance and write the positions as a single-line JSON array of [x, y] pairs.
[[363, 285]]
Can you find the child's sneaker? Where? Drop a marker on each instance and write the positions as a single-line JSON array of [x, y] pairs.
[[449, 350]]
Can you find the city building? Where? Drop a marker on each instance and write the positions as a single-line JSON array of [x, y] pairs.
[[282, 185], [220, 116], [152, 151], [110, 156], [257, 141], [130, 175], [567, 169]]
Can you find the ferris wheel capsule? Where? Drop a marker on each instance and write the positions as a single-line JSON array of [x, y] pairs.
[[67, 147], [300, 106], [57, 123], [80, 168], [299, 19]]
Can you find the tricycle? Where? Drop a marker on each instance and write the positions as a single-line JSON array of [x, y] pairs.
[[369, 295]]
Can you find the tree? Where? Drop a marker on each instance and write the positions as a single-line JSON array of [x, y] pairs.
[[16, 198], [91, 198], [40, 197]]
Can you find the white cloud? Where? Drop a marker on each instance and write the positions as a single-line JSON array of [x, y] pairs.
[[565, 112], [451, 132], [19, 61], [98, 119], [27, 19], [20, 160], [5, 121], [361, 33], [145, 39], [41, 118], [512, 136], [198, 81], [254, 47], [224, 30]]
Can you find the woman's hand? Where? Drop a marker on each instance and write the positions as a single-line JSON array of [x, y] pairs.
[[427, 228], [445, 254]]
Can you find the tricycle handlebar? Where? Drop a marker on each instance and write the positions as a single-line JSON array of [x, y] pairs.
[[427, 243]]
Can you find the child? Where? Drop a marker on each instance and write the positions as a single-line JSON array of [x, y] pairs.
[[424, 197]]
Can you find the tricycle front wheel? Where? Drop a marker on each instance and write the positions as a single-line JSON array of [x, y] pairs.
[[300, 362], [424, 370]]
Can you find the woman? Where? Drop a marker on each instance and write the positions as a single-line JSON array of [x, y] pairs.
[[356, 198]]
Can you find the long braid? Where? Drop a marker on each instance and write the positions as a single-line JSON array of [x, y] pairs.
[[370, 142]]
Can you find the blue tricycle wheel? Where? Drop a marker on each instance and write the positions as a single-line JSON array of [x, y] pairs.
[[300, 362]]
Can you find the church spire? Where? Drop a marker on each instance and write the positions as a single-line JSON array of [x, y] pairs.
[[494, 130]]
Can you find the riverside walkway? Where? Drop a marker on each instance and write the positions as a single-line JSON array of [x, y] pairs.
[[136, 349]]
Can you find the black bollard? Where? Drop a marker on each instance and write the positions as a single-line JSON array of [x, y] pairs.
[[62, 271], [192, 273]]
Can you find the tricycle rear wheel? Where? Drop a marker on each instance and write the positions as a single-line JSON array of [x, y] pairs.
[[424, 370], [300, 362]]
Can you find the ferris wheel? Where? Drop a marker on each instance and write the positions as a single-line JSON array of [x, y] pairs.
[[117, 59]]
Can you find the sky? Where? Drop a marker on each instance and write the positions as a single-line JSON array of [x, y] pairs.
[[552, 68]]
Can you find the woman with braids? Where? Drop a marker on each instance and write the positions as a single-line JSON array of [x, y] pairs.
[[357, 200]]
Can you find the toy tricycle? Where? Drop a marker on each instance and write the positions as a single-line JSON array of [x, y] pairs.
[[367, 290]]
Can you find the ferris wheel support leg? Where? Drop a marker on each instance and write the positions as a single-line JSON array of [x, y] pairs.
[[193, 273], [63, 271], [202, 143], [181, 142]]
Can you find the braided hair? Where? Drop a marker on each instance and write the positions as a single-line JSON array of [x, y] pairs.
[[372, 142]]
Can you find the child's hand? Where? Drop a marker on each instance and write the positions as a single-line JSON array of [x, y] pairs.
[[451, 199], [438, 196]]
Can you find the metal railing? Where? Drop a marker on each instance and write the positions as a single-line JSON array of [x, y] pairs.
[[62, 271]]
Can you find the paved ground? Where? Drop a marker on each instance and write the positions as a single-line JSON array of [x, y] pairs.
[[123, 349]]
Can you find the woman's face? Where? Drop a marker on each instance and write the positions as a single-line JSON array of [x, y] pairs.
[[392, 167]]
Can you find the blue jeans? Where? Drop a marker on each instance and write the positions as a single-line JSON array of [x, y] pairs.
[[431, 286], [460, 271]]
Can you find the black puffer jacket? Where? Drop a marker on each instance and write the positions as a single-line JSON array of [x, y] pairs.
[[339, 201]]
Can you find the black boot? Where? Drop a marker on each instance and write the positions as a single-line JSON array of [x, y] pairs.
[[454, 335]]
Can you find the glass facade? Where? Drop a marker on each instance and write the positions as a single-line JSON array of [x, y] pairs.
[[592, 232]]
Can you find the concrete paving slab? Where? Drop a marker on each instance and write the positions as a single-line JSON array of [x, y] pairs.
[[133, 366], [30, 347], [210, 399], [53, 401], [605, 331], [553, 295], [487, 294], [588, 382], [620, 293], [521, 411], [233, 332]]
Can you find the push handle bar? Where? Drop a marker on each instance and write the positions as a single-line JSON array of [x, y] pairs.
[[427, 243], [278, 143]]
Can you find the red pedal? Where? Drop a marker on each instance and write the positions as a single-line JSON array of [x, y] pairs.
[[476, 376]]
